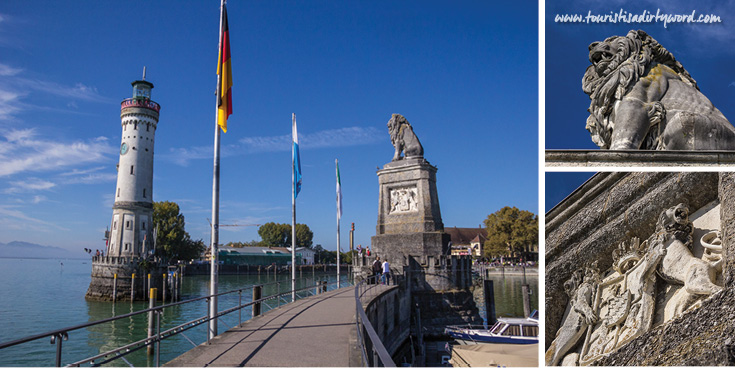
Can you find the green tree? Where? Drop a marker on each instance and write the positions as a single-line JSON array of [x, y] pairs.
[[304, 235], [275, 235], [511, 231], [252, 243], [172, 241], [279, 235]]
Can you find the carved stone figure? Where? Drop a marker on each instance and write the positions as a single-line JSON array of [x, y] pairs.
[[403, 200], [679, 266], [643, 98], [581, 289], [624, 300], [403, 138]]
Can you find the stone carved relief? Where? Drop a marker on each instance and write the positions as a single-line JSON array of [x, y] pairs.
[[403, 200], [624, 300]]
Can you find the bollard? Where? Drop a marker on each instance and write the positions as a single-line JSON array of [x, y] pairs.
[[316, 290], [163, 286], [257, 292], [132, 288], [526, 300], [524, 275], [114, 289], [151, 303], [489, 302]]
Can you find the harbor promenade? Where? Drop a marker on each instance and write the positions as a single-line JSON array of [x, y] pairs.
[[315, 331]]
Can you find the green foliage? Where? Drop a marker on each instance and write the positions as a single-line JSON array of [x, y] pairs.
[[279, 235], [323, 256], [252, 243], [304, 235], [511, 232], [172, 241], [275, 235]]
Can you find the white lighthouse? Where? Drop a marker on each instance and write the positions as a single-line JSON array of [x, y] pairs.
[[131, 233]]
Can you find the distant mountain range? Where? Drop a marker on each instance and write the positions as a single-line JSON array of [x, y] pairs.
[[18, 249]]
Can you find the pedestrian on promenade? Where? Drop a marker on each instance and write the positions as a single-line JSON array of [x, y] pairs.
[[377, 270], [385, 280]]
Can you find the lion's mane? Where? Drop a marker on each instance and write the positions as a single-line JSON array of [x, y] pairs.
[[634, 55]]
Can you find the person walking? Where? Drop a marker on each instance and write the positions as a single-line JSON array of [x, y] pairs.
[[377, 270], [385, 280]]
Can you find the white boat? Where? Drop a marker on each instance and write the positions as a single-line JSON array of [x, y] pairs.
[[504, 331]]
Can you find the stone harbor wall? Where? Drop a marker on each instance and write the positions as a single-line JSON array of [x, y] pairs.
[[103, 283], [621, 227]]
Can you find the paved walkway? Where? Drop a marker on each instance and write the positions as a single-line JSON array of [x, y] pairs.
[[315, 331]]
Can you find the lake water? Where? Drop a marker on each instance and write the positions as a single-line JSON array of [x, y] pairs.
[[42, 295]]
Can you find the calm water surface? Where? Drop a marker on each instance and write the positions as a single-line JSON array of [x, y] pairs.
[[41, 295]]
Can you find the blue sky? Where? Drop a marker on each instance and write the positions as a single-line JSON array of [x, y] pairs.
[[463, 73], [705, 50]]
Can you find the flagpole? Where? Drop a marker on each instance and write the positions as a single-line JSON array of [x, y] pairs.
[[336, 163], [293, 214], [215, 202]]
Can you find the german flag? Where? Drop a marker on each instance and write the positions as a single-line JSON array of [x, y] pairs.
[[224, 70]]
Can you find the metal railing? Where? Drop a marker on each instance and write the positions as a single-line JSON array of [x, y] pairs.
[[57, 336], [371, 342]]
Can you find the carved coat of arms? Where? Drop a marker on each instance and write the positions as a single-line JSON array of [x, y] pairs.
[[607, 311]]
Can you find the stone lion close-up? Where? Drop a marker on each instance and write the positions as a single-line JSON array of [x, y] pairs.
[[643, 98]]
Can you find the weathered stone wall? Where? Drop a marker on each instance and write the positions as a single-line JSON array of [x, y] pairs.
[[390, 315], [102, 283], [612, 207]]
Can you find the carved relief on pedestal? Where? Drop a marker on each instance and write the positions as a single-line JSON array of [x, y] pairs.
[[623, 302], [403, 200]]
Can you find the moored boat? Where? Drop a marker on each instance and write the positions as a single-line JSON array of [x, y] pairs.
[[504, 331]]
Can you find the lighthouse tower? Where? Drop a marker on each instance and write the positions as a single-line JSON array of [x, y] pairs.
[[131, 232]]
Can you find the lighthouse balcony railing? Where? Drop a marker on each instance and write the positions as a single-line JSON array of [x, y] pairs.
[[140, 102], [270, 301]]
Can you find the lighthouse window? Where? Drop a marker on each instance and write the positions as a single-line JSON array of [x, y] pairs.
[[114, 225], [131, 169], [127, 224], [147, 128], [144, 197], [118, 192], [142, 224], [135, 125]]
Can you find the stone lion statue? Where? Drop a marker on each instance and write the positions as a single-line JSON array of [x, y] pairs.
[[679, 265], [403, 138], [643, 98]]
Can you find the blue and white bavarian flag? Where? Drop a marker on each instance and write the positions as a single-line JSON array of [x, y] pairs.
[[296, 161]]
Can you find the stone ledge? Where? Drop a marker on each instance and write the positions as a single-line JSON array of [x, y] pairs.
[[637, 158]]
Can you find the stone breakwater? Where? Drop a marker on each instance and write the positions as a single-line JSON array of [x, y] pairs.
[[113, 277]]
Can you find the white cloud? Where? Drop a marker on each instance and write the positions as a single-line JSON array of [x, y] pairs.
[[343, 137], [91, 178], [14, 219], [38, 199], [29, 185], [24, 152], [15, 88], [6, 70]]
